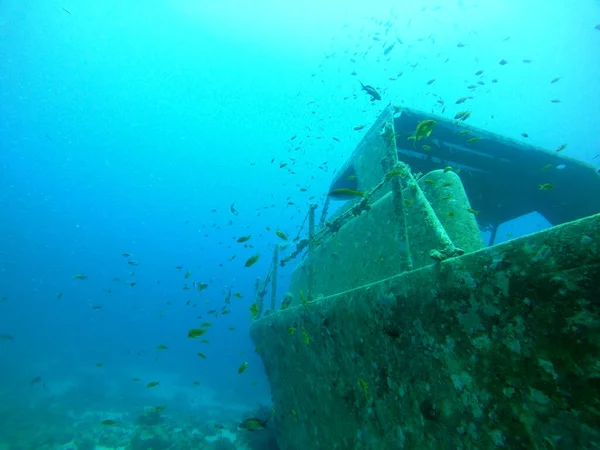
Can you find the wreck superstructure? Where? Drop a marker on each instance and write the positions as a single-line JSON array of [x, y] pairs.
[[402, 328]]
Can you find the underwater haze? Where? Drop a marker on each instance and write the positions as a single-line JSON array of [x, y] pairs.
[[154, 153]]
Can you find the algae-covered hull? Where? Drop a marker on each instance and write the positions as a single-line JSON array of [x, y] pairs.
[[496, 348]]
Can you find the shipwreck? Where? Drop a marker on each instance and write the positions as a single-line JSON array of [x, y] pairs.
[[403, 328]]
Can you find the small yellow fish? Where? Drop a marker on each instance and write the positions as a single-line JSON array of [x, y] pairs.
[[463, 132], [344, 193], [473, 140], [108, 422], [429, 181], [153, 384], [252, 260], [472, 211], [423, 130], [291, 330], [196, 332], [253, 310], [462, 115], [358, 127], [162, 347], [451, 169], [395, 173], [201, 355], [253, 424], [159, 409], [561, 147], [243, 367], [546, 167], [244, 238], [546, 186], [281, 235], [187, 274], [81, 276]]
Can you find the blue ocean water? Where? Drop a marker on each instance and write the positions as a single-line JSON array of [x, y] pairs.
[[168, 130]]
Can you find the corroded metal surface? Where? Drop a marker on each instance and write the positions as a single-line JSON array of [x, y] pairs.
[[496, 348]]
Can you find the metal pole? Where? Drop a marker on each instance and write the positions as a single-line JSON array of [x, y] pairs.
[[389, 135], [274, 278], [311, 256]]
